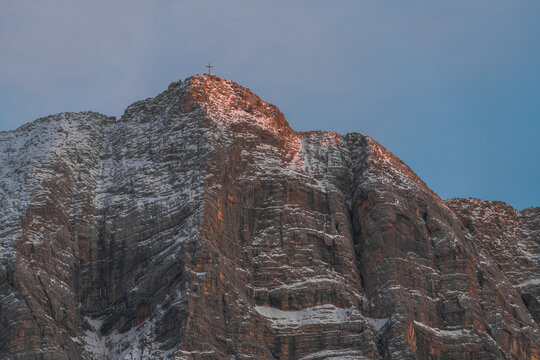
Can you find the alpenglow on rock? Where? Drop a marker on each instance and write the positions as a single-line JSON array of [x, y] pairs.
[[201, 226]]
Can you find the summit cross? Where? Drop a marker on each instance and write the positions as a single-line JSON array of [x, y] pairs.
[[209, 67]]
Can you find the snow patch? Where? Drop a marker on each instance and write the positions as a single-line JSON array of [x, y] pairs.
[[322, 314], [342, 354], [377, 323], [535, 281], [455, 333]]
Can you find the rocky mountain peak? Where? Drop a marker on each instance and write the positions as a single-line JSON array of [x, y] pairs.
[[226, 100], [201, 226]]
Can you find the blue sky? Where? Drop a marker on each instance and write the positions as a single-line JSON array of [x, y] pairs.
[[451, 87]]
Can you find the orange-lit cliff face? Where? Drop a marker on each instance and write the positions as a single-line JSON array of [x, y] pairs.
[[201, 226]]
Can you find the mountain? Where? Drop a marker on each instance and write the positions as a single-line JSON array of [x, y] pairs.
[[201, 226]]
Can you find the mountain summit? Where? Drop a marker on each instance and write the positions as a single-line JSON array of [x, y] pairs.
[[199, 225]]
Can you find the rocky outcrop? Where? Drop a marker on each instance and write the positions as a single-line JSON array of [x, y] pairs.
[[199, 225], [510, 240]]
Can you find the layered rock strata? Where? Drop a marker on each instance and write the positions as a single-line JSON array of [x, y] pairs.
[[199, 225]]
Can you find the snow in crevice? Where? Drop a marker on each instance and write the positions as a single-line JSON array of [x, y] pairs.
[[453, 333], [341, 354], [377, 323], [322, 314], [535, 281], [138, 343]]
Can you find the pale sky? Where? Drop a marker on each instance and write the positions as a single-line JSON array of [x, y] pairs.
[[451, 87]]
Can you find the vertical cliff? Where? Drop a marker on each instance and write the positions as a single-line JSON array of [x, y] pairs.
[[199, 225]]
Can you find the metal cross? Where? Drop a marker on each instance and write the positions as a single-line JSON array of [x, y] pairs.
[[209, 67]]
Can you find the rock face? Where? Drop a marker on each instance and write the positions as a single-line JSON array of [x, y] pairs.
[[201, 226]]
